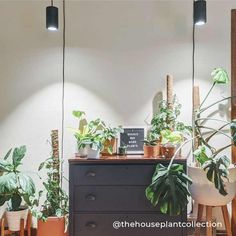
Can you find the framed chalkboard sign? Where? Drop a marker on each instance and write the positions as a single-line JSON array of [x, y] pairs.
[[132, 137]]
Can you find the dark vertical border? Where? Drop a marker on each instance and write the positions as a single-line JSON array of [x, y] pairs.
[[233, 100]]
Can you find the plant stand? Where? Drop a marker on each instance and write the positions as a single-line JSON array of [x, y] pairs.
[[209, 219], [5, 231]]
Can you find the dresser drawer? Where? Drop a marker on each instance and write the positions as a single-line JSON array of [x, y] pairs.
[[111, 198], [111, 174], [102, 224]]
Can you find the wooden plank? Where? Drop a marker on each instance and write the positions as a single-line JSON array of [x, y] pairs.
[[233, 100]]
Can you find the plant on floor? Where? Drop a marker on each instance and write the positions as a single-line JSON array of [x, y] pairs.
[[169, 187], [51, 206], [56, 199], [15, 186], [209, 158]]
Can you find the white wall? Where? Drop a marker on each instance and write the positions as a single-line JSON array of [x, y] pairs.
[[117, 56]]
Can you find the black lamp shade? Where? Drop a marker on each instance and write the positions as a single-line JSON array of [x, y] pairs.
[[200, 15], [52, 18]]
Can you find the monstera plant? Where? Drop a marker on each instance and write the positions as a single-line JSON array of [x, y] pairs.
[[212, 173]]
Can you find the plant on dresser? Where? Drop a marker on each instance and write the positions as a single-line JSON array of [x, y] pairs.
[[94, 137], [52, 214], [151, 145], [15, 188], [88, 136]]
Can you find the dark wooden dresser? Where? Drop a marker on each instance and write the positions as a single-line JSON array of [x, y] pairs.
[[113, 190]]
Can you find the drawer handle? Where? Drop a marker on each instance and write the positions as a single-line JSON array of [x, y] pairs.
[[90, 174], [91, 225], [91, 197]]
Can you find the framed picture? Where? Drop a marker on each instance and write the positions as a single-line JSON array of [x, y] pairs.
[[132, 137]]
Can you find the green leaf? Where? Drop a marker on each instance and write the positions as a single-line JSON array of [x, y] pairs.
[[16, 202], [169, 189], [26, 184], [78, 114], [8, 154], [220, 76], [18, 155]]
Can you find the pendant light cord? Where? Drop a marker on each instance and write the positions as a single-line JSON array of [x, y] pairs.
[[63, 90], [193, 84]]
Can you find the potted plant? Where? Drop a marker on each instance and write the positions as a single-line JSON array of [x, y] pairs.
[[169, 141], [52, 214], [167, 118], [151, 147], [88, 136], [211, 174], [109, 139], [16, 188]]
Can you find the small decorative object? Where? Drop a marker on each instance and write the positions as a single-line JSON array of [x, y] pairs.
[[15, 187], [132, 138], [122, 151], [151, 146]]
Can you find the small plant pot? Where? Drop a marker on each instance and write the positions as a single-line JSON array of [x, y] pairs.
[[122, 151], [88, 152], [107, 144], [14, 218], [168, 150], [151, 151], [53, 226]]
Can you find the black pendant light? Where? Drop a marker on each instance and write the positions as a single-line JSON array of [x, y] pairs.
[[52, 17], [200, 15]]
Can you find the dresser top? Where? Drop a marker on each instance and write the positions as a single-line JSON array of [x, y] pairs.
[[129, 159]]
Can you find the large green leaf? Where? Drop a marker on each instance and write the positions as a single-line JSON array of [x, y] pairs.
[[169, 189], [217, 172], [8, 183], [6, 166], [16, 202], [18, 155], [26, 184]]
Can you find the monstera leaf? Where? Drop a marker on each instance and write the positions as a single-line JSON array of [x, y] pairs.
[[217, 172], [169, 189], [220, 76]]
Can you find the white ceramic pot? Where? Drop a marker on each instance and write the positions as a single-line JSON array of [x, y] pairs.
[[14, 218], [89, 152], [204, 192]]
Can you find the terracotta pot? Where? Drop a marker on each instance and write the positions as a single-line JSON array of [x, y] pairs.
[[151, 151], [204, 192], [53, 226], [168, 151], [107, 144]]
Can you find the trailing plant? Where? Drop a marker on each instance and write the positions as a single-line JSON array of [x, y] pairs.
[[15, 187], [167, 118], [56, 199]]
